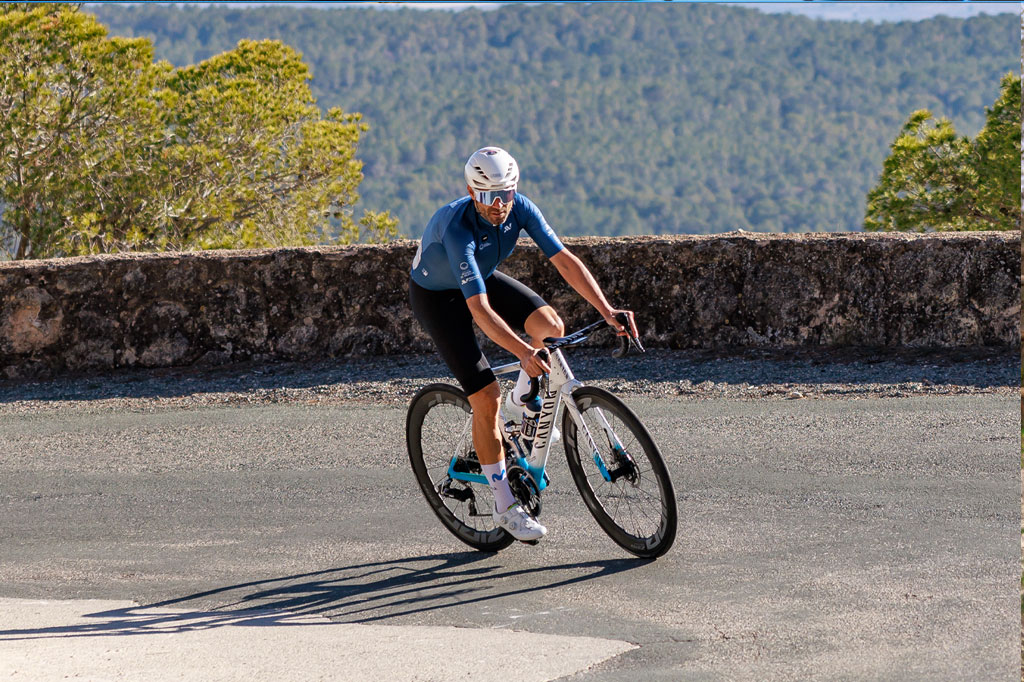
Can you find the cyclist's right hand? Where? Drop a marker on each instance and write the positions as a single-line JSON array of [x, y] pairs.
[[534, 362]]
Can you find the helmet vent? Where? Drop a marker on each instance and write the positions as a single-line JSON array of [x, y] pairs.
[[491, 168]]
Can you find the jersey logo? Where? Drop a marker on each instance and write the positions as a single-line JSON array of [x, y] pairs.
[[507, 227], [464, 265]]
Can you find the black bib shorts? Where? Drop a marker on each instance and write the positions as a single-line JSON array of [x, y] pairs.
[[445, 316]]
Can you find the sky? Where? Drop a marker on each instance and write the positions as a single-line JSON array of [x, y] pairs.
[[819, 9]]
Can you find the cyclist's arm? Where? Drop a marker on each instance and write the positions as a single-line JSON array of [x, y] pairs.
[[569, 266], [579, 278], [499, 332]]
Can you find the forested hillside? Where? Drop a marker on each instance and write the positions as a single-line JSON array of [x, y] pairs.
[[626, 119]]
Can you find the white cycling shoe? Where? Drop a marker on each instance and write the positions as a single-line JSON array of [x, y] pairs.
[[520, 524], [514, 412]]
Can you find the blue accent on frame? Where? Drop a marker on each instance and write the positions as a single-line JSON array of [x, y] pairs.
[[538, 474], [601, 467], [464, 476]]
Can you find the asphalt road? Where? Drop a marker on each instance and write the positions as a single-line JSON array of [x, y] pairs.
[[818, 539]]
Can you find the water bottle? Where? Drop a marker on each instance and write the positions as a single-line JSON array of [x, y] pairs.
[[531, 410]]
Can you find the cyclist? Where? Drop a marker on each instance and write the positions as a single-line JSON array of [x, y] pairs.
[[454, 282]]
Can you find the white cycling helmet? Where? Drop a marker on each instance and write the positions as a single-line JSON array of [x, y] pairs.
[[491, 168]]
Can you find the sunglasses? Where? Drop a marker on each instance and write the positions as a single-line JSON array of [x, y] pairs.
[[502, 195]]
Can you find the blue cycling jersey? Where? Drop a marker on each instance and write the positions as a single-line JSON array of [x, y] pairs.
[[460, 249]]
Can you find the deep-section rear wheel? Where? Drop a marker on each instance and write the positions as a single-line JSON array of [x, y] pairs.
[[438, 427], [621, 475]]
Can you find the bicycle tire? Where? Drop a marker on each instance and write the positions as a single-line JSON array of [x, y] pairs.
[[436, 428], [652, 532]]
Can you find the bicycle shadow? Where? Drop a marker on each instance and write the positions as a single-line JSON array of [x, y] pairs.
[[362, 593]]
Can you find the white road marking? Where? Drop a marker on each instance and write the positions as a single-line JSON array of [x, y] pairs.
[[96, 640]]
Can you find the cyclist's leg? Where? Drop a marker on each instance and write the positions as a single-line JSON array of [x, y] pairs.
[[508, 513], [486, 429], [517, 303], [542, 323], [525, 310], [445, 316]]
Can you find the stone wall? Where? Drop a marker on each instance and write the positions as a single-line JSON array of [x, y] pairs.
[[736, 289]]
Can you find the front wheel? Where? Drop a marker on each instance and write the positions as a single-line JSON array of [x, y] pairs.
[[620, 473], [438, 432]]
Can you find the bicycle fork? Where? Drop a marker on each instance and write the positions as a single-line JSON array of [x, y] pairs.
[[625, 464]]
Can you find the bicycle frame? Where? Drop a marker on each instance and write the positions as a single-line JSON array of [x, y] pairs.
[[560, 384]]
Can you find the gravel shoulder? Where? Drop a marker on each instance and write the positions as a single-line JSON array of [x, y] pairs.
[[392, 380]]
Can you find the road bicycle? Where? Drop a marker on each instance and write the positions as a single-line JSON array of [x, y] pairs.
[[612, 458]]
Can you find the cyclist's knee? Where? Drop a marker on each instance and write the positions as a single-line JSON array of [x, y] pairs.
[[486, 401], [557, 326], [543, 322]]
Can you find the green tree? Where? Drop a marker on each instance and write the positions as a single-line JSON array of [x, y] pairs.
[[103, 150], [70, 103], [937, 180], [251, 161]]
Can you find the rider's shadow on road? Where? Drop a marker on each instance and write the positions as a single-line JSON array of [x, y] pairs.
[[363, 593]]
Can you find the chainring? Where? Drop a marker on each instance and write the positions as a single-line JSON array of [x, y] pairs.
[[524, 488]]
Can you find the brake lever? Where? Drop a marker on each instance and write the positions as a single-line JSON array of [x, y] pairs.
[[625, 343], [623, 349], [627, 340]]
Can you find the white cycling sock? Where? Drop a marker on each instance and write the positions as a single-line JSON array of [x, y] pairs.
[[522, 387], [496, 478]]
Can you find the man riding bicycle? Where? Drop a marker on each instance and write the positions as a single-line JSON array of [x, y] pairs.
[[455, 282]]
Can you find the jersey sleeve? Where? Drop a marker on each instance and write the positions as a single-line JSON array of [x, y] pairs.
[[461, 250], [539, 230]]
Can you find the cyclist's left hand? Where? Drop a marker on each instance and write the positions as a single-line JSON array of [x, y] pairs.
[[622, 331]]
